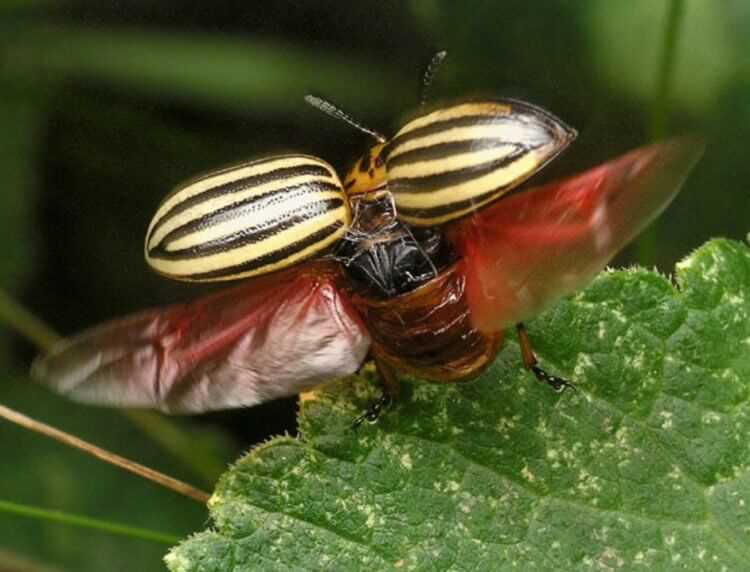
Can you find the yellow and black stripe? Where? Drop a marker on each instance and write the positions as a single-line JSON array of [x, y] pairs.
[[247, 220], [455, 160]]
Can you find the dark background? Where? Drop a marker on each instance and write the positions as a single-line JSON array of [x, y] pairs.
[[105, 105]]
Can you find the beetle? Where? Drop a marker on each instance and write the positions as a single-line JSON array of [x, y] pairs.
[[427, 250]]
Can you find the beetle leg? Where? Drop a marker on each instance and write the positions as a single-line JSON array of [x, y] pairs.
[[532, 364], [391, 388], [389, 379]]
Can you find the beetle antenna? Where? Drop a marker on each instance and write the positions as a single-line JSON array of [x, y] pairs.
[[429, 74], [330, 109]]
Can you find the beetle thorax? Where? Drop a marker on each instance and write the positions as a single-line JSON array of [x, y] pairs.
[[384, 256]]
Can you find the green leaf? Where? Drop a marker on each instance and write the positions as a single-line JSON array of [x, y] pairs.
[[646, 465]]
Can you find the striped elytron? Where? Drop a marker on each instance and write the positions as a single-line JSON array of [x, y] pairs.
[[419, 260], [273, 213], [250, 219], [450, 162]]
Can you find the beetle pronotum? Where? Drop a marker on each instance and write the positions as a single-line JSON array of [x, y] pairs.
[[420, 259]]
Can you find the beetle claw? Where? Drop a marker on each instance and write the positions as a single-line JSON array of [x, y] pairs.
[[372, 414], [557, 383]]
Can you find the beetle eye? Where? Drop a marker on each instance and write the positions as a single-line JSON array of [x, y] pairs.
[[453, 161]]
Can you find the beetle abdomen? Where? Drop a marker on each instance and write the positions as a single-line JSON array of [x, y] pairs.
[[249, 219], [450, 162], [428, 332]]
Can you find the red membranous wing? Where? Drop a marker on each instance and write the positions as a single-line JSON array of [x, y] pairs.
[[264, 339], [531, 248]]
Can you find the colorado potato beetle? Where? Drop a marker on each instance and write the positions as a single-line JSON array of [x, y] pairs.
[[419, 258]]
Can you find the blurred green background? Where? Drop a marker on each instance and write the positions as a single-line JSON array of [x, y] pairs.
[[105, 105]]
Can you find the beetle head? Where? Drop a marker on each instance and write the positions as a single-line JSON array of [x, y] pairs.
[[368, 173]]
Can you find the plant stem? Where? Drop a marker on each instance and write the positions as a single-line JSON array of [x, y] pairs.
[[104, 455], [25, 323], [666, 71], [86, 522], [170, 437], [649, 240]]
